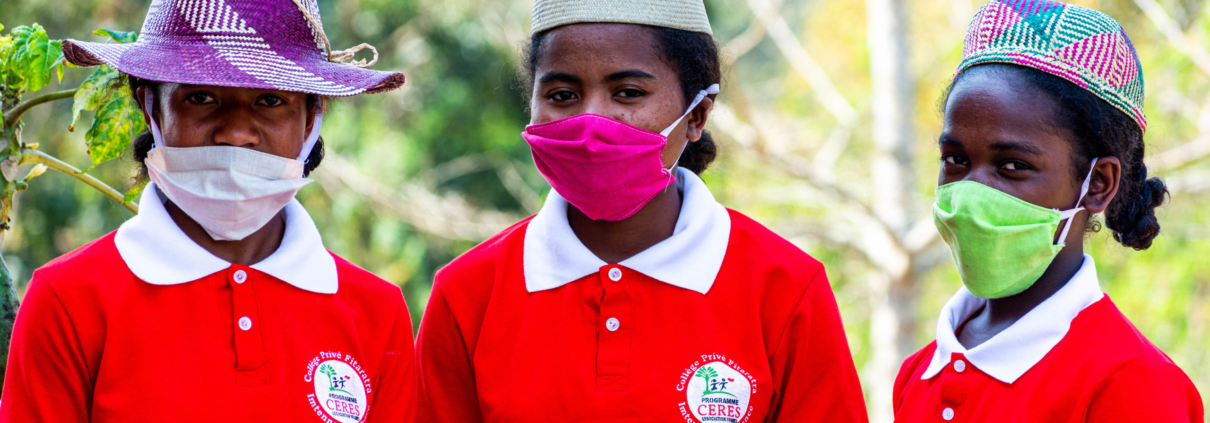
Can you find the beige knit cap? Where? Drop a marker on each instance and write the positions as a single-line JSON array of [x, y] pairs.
[[688, 15]]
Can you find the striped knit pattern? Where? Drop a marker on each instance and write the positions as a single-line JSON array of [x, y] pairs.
[[1078, 44], [266, 44]]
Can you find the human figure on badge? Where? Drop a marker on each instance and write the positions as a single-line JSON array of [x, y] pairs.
[[631, 277], [1043, 129]]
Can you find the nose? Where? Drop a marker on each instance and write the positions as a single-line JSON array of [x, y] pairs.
[[237, 130], [602, 105]]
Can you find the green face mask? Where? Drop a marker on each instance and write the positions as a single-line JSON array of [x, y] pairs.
[[1000, 243]]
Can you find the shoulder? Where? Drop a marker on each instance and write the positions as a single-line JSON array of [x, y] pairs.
[[1146, 389], [478, 267], [911, 369], [82, 265], [764, 255], [1103, 325], [359, 282]]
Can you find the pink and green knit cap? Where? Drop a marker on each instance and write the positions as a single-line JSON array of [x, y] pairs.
[[1075, 43]]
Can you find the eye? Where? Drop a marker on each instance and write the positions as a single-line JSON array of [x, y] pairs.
[[1015, 166], [630, 93], [562, 96], [201, 97], [954, 160], [270, 100]]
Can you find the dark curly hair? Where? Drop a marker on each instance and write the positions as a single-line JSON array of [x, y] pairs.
[[1100, 130], [695, 58], [145, 142]]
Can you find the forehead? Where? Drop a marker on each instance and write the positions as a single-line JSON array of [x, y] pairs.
[[997, 106], [602, 48]]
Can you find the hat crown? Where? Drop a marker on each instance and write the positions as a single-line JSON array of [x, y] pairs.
[[278, 23], [1081, 45], [687, 15]]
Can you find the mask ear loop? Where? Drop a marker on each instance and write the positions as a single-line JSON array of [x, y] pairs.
[[1070, 215], [312, 138], [701, 95], [149, 106]]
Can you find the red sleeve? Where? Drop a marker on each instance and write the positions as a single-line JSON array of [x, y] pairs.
[[395, 389], [1146, 390], [812, 353], [445, 376], [47, 378]]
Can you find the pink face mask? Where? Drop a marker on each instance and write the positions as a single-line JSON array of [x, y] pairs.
[[606, 168]]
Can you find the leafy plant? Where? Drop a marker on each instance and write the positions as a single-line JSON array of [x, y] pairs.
[[29, 62]]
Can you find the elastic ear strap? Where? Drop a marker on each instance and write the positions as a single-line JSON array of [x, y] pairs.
[[149, 106], [1070, 215], [312, 138], [713, 89]]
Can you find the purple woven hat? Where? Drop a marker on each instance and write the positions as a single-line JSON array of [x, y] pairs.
[[264, 44]]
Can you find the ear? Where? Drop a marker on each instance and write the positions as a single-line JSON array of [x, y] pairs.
[[140, 96], [1103, 186], [697, 119]]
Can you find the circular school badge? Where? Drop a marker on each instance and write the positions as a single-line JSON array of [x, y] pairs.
[[717, 392], [341, 388]]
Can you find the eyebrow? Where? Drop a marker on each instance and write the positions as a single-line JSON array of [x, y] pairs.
[[559, 77], [628, 74], [1017, 146]]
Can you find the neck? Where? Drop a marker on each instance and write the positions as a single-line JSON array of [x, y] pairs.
[[1000, 313], [248, 251], [613, 242]]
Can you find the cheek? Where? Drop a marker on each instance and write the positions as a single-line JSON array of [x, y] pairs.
[[285, 136]]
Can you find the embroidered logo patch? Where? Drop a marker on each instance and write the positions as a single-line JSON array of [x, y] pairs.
[[341, 388], [716, 390]]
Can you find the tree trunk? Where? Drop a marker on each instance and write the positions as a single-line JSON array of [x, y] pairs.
[[892, 291]]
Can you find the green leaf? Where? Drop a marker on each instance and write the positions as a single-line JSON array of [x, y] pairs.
[[30, 60], [115, 125], [134, 192], [55, 50], [119, 36], [94, 92]]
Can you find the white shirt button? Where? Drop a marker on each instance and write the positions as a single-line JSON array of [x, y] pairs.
[[245, 323], [947, 414], [959, 366], [612, 324], [240, 276], [615, 274]]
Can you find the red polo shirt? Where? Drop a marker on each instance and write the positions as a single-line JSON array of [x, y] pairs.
[[1098, 368], [94, 342], [739, 326]]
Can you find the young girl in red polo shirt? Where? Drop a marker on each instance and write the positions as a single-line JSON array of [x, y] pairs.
[[218, 301], [1043, 128], [632, 295]]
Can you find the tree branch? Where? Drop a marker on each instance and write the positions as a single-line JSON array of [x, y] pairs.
[[29, 156], [11, 116], [1183, 42], [806, 66]]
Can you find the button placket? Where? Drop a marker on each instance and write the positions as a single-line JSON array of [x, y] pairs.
[[955, 383], [614, 330], [249, 344]]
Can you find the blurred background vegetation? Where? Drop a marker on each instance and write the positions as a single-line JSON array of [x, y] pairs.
[[828, 123]]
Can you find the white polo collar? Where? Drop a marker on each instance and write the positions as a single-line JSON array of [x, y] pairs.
[[1011, 353], [553, 256], [158, 251]]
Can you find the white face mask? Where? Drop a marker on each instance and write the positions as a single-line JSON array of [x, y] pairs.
[[230, 191]]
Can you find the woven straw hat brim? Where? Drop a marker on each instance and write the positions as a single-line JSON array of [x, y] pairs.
[[1052, 65], [202, 64]]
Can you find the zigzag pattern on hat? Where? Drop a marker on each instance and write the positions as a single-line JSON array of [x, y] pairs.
[[1078, 44], [223, 29]]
